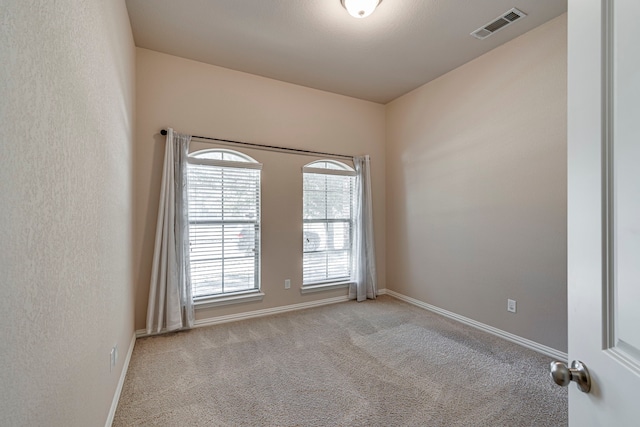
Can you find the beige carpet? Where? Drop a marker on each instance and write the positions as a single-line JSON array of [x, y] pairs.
[[376, 363]]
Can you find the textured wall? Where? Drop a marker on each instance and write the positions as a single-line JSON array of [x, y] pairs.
[[476, 188], [201, 99], [66, 109]]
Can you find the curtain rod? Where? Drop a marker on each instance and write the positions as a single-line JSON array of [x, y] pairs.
[[269, 147]]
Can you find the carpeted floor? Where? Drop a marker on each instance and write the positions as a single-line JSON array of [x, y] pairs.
[[376, 363]]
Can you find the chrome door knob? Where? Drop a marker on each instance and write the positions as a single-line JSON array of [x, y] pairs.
[[578, 372]]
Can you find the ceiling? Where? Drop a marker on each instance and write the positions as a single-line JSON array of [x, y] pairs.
[[316, 43]]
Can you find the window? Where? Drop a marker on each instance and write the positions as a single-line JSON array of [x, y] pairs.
[[224, 222], [328, 188]]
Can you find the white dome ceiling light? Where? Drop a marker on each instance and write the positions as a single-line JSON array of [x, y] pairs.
[[360, 8]]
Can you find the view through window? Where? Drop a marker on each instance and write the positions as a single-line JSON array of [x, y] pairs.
[[328, 193], [224, 222]]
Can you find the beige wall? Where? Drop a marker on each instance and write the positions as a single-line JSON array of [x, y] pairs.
[[66, 108], [201, 99], [476, 188]]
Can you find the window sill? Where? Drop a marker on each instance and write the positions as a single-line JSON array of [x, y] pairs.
[[323, 287], [238, 298]]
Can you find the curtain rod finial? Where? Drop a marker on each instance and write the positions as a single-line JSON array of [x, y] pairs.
[[163, 132]]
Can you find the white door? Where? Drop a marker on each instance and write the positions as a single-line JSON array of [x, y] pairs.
[[604, 209]]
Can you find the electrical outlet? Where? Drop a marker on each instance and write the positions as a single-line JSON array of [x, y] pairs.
[[511, 305], [287, 283], [113, 357]]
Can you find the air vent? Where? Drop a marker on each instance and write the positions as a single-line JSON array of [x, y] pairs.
[[499, 23]]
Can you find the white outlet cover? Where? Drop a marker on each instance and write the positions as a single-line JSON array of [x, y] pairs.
[[511, 305]]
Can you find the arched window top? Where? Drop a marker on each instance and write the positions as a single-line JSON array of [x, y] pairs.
[[223, 154], [329, 164], [329, 167]]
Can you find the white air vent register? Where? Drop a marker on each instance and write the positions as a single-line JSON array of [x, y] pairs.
[[499, 23]]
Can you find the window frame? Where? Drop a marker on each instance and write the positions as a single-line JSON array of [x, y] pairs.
[[342, 170], [244, 295]]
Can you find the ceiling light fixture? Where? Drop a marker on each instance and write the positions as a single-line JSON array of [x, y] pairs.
[[360, 8]]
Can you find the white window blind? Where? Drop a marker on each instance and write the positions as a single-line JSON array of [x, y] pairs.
[[328, 188], [224, 222]]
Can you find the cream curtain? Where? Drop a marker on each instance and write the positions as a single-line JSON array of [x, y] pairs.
[[170, 303], [364, 282]]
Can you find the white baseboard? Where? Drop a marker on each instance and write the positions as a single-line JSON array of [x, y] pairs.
[[548, 351], [540, 348], [256, 313], [123, 375], [267, 311]]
